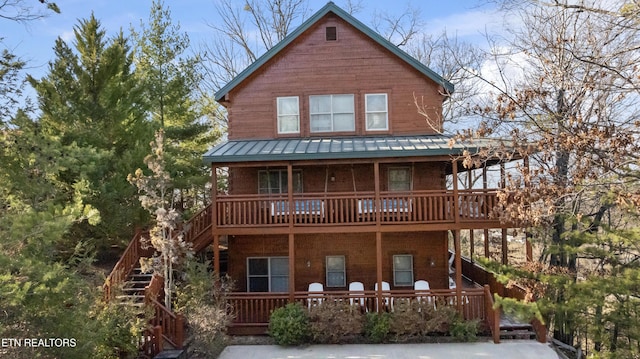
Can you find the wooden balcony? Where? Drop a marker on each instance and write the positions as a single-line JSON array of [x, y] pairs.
[[475, 209]]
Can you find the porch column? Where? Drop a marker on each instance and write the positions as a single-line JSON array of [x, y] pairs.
[[485, 185], [376, 175], [456, 236], [214, 222], [505, 247], [471, 239], [292, 261], [528, 236]]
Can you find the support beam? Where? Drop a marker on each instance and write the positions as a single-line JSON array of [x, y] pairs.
[[292, 252], [471, 237], [505, 247], [456, 235], [376, 176], [214, 222], [528, 236], [485, 185]]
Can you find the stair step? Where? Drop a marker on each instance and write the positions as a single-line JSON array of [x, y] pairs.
[[135, 297], [518, 334]]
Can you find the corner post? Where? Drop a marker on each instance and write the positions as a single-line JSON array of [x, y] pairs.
[[291, 245], [376, 175], [456, 235]]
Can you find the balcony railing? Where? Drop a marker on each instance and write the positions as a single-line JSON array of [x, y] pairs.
[[254, 309], [353, 208]]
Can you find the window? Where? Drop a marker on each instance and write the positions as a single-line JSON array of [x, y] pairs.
[[275, 181], [268, 274], [377, 113], [336, 271], [403, 270], [288, 115], [399, 179], [331, 113], [331, 33]]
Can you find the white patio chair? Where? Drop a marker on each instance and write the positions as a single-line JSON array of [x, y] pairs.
[[386, 297], [422, 287], [315, 294], [356, 292]]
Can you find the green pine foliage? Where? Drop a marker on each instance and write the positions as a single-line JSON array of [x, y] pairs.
[[171, 80], [91, 100]]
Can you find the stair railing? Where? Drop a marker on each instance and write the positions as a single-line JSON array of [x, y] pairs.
[[493, 315], [129, 260]]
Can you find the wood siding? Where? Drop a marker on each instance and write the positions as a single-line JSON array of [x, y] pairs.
[[347, 178], [354, 64], [359, 252]]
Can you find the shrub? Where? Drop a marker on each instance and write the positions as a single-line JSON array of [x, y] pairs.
[[202, 299], [464, 330], [334, 322], [289, 325], [377, 326], [413, 319]]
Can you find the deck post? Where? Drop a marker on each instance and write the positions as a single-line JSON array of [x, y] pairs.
[[179, 330], [505, 247], [471, 239], [528, 236], [214, 222], [292, 252], [485, 185], [376, 175], [456, 235]]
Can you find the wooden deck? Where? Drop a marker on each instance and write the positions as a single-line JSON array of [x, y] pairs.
[[236, 212]]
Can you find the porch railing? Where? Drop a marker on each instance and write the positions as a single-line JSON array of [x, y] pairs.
[[351, 208], [254, 309]]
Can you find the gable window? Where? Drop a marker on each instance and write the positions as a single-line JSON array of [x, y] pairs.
[[403, 270], [399, 179], [377, 112], [336, 271], [275, 181], [331, 33], [288, 115], [331, 113], [268, 274]]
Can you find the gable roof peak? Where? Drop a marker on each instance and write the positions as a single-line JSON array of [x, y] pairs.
[[331, 7]]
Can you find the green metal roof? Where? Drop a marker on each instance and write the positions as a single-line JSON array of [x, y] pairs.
[[287, 149], [331, 7]]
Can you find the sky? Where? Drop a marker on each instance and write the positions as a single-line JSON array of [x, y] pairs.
[[34, 41]]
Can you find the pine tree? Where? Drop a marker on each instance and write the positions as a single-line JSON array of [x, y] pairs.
[[171, 80], [91, 98]]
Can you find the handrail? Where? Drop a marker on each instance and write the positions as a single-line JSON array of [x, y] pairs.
[[123, 267], [172, 324], [493, 315]]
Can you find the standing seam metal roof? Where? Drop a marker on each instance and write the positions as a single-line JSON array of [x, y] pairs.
[[286, 149]]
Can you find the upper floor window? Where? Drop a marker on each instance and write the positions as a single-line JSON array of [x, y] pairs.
[[377, 112], [331, 113], [288, 115], [399, 179], [275, 181]]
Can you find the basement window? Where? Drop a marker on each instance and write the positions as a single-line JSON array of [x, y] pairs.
[[331, 33]]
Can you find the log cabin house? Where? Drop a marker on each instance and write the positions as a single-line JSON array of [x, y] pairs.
[[335, 178]]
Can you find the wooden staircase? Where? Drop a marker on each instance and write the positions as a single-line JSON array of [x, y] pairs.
[[511, 329], [127, 283]]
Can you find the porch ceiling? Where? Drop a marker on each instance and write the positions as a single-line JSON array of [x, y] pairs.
[[333, 148]]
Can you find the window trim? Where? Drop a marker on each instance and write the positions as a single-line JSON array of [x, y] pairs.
[[280, 115], [268, 275], [367, 112], [332, 113], [344, 271], [395, 282]]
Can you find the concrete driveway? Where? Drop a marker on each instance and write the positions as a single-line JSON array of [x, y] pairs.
[[485, 350]]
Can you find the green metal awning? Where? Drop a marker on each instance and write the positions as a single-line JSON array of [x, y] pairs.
[[330, 148]]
